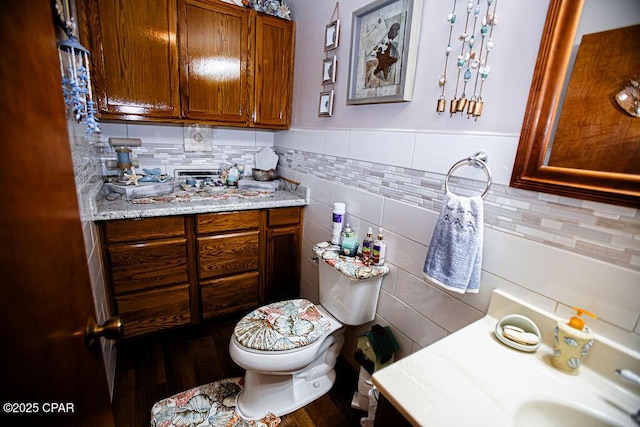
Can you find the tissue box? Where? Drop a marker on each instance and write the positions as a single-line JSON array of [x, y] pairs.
[[253, 185], [143, 189]]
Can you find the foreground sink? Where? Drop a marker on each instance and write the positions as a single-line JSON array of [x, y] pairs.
[[470, 378], [540, 413]]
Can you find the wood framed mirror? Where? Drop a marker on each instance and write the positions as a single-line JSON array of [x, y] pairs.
[[532, 170]]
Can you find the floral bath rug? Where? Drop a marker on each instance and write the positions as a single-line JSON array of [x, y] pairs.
[[209, 405]]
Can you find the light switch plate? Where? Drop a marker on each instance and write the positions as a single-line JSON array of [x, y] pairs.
[[198, 138]]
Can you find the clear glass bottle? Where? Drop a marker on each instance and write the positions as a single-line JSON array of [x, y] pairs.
[[349, 245]]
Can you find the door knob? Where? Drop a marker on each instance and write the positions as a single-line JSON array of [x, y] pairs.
[[111, 329]]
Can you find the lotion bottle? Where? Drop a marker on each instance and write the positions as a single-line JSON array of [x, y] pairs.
[[367, 244], [379, 251], [573, 341]]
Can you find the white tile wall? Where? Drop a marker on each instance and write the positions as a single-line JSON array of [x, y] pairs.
[[87, 175], [419, 313]]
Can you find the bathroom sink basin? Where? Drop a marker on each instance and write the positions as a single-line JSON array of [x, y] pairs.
[[540, 413], [507, 387]]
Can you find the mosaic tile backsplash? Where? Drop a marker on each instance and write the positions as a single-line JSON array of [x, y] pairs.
[[604, 232], [607, 233]]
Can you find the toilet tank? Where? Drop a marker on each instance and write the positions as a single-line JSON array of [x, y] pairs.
[[351, 301]]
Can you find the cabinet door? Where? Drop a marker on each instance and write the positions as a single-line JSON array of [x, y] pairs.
[[214, 60], [283, 263], [134, 57], [274, 57]]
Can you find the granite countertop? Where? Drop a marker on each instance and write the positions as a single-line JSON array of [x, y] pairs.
[[287, 195]]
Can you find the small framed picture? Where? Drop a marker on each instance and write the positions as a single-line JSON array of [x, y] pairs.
[[326, 104], [332, 35], [329, 70]]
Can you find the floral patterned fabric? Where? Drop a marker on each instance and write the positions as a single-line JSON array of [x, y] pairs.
[[353, 267], [209, 405], [284, 325]]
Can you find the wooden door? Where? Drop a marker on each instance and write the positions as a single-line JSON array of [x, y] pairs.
[[45, 291], [214, 61], [274, 58], [134, 57]]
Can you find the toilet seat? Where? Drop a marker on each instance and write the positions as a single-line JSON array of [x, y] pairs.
[[269, 361], [282, 326]]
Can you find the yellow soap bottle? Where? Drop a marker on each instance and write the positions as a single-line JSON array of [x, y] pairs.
[[573, 341]]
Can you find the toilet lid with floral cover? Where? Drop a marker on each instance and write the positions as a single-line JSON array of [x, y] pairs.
[[283, 325]]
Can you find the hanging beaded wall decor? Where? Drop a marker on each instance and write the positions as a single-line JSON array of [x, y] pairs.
[[74, 69], [472, 61]]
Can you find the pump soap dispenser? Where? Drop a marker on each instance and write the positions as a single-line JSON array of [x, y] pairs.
[[573, 341]]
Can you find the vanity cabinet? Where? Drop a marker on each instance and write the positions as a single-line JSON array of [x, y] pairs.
[[229, 261], [388, 415], [147, 267], [189, 61], [283, 254], [165, 272]]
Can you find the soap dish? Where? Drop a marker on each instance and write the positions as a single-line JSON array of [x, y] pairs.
[[522, 322]]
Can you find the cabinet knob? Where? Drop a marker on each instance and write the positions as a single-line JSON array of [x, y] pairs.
[[111, 329]]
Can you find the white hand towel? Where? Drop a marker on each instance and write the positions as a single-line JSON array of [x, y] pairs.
[[454, 258]]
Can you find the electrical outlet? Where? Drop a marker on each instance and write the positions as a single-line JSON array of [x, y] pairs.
[[198, 138]]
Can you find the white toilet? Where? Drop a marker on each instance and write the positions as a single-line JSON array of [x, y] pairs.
[[289, 348]]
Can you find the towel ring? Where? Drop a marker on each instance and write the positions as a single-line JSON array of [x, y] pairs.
[[478, 160]]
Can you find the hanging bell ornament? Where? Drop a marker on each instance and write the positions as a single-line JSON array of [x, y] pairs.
[[442, 104], [454, 106], [462, 102], [470, 106], [477, 109]]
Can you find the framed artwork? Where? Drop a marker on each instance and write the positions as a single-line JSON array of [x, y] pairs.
[[326, 104], [332, 35], [384, 44], [329, 70]]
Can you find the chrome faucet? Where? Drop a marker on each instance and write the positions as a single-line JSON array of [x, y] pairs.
[[633, 378]]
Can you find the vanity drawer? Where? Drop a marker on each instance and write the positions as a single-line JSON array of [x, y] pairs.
[[135, 267], [283, 216], [227, 221], [131, 230], [230, 294], [155, 310], [224, 254]]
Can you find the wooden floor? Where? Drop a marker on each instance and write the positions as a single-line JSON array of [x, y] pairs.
[[150, 369]]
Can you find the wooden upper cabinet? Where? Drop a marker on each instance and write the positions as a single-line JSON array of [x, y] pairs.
[[214, 61], [274, 58], [189, 61], [134, 57]]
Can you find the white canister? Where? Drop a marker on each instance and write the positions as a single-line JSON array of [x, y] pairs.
[[339, 210]]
